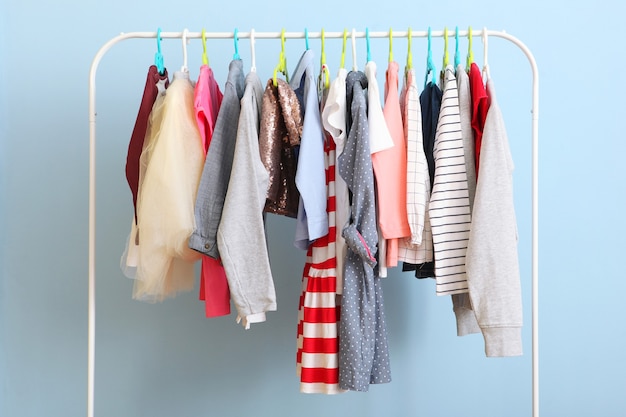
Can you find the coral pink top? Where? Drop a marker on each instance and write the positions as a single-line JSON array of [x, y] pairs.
[[390, 170]]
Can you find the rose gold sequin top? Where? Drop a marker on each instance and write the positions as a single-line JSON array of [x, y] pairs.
[[280, 131]]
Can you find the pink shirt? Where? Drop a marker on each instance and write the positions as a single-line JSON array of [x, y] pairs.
[[390, 170], [214, 289]]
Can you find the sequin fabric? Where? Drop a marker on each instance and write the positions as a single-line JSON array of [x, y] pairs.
[[279, 139]]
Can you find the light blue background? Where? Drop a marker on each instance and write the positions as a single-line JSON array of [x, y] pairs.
[[167, 359]]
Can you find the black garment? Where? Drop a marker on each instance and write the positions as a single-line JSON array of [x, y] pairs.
[[430, 101]]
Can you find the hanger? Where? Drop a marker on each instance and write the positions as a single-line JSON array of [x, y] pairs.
[[282, 60], [390, 45], [354, 66], [252, 51], [457, 55], [409, 54], [205, 58], [446, 56], [343, 49], [324, 68], [306, 38], [184, 68], [236, 41], [158, 56], [367, 41], [485, 54], [470, 51], [430, 65]]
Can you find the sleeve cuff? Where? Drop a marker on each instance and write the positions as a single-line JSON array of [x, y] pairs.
[[203, 245], [250, 319], [502, 341]]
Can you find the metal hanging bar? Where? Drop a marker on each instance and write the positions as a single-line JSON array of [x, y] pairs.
[[302, 35]]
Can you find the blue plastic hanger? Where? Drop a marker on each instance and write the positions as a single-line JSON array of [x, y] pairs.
[[457, 55], [430, 65], [158, 57], [306, 38], [236, 41]]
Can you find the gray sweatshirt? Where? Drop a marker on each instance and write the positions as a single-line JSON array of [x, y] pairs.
[[492, 264], [241, 232]]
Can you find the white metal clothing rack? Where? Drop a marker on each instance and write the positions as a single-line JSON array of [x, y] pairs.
[[252, 35]]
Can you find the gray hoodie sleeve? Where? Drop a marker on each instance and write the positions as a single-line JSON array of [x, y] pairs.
[[241, 232], [492, 263]]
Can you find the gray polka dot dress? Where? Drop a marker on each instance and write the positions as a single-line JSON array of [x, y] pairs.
[[363, 348]]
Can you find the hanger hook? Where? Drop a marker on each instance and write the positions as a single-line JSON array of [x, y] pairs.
[[343, 49], [205, 58], [158, 56], [409, 55], [354, 65], [282, 60], [485, 54], [367, 40], [252, 51], [470, 50], [184, 67], [446, 57], [325, 74], [457, 57], [390, 45], [323, 55], [430, 66], [236, 41], [306, 38]]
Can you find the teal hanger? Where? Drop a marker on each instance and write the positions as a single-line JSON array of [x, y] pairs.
[[367, 40], [430, 65], [236, 40], [158, 57], [457, 55], [306, 38]]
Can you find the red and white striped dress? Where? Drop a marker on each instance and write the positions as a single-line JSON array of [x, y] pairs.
[[318, 313]]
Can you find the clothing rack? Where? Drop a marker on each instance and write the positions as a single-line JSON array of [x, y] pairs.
[[252, 35]]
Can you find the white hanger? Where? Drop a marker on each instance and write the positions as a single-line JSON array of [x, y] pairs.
[[252, 52], [185, 41], [354, 66], [485, 54]]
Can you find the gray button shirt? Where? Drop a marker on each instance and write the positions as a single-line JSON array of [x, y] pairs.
[[218, 165]]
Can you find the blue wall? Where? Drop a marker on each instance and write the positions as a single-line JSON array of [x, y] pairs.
[[167, 359]]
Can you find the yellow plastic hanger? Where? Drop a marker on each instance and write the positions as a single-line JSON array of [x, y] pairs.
[[325, 72], [409, 54], [205, 58], [282, 61], [390, 45], [343, 49]]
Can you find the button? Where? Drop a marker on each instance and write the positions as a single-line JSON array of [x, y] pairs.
[[207, 246]]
